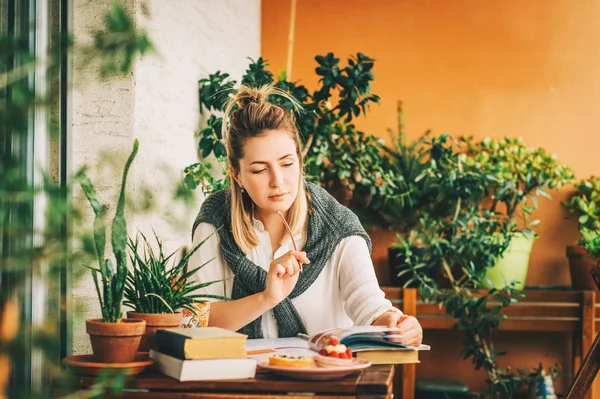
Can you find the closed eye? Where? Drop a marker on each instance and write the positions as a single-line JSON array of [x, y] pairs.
[[287, 165], [256, 172]]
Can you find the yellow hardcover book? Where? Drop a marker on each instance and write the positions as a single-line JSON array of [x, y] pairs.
[[390, 356], [201, 343]]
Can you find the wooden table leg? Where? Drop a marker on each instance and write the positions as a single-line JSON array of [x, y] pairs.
[[409, 371]]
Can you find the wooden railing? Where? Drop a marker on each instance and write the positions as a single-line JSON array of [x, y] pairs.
[[576, 312]]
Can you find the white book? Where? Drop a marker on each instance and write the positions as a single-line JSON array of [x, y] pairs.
[[200, 370]]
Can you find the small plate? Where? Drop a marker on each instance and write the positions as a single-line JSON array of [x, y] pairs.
[[314, 372], [85, 365]]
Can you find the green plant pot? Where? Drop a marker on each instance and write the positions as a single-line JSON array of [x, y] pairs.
[[512, 266]]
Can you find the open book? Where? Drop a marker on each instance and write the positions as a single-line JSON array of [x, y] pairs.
[[362, 338], [368, 342]]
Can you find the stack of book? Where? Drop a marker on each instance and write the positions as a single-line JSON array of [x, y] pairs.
[[196, 354]]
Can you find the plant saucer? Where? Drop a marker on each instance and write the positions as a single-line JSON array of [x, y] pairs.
[[85, 365]]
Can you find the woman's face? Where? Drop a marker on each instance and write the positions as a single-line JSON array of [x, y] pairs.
[[270, 171]]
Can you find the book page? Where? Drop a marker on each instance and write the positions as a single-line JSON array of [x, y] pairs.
[[317, 341], [375, 331]]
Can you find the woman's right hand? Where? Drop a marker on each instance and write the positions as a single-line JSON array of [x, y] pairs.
[[282, 276]]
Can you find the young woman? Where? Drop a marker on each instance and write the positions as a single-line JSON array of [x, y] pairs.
[[329, 281]]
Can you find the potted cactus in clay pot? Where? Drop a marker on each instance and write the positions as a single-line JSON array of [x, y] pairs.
[[114, 340]]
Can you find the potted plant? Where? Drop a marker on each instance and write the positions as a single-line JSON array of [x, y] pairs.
[[522, 173], [420, 195], [158, 292], [462, 245], [585, 205], [591, 242], [114, 340]]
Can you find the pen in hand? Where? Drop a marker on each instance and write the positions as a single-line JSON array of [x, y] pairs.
[[291, 235]]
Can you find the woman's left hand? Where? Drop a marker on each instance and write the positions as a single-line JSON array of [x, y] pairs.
[[410, 328]]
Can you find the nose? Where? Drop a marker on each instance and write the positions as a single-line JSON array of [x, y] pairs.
[[276, 177]]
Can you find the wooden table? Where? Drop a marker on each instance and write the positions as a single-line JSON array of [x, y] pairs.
[[375, 382]]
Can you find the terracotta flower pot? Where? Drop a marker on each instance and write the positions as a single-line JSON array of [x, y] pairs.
[[115, 342], [155, 321], [580, 266]]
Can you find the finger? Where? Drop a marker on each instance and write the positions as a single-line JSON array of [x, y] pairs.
[[414, 340], [406, 323], [413, 334], [301, 256], [392, 319], [290, 269], [297, 267], [279, 270]]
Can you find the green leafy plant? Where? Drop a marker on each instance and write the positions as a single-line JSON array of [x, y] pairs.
[[585, 204], [523, 173], [155, 287], [591, 241], [49, 256], [457, 187], [116, 47], [201, 174], [461, 246], [418, 194], [352, 165], [112, 273]]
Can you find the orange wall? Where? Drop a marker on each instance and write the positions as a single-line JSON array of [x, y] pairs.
[[468, 67], [481, 68]]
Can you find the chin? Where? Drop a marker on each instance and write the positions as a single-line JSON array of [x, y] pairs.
[[282, 208], [278, 206]]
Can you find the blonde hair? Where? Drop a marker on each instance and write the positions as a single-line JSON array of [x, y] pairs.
[[249, 114]]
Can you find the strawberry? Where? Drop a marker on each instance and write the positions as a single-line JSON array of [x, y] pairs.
[[333, 340], [349, 352], [334, 354], [344, 355], [323, 352]]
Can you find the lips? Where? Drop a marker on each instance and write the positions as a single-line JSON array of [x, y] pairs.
[[277, 196]]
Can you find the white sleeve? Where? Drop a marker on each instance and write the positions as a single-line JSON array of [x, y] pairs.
[[364, 301], [216, 268]]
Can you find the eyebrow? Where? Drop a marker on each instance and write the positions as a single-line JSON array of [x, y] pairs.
[[263, 162]]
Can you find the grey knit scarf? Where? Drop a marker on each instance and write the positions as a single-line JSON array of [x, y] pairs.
[[329, 222]]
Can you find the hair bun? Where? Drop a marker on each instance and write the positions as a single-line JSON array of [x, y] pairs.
[[247, 95]]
